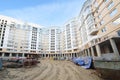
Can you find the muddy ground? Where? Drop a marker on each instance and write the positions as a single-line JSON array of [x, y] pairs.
[[50, 70]]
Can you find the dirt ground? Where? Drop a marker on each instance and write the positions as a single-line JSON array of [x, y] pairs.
[[50, 70]]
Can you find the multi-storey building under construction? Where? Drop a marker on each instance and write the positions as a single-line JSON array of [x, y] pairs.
[[94, 32]]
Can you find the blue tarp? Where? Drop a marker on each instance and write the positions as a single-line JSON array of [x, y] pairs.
[[85, 62], [0, 63]]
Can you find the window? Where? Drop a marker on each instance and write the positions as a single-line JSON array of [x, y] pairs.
[[105, 0], [110, 5], [96, 4], [117, 21], [113, 12], [99, 16], [102, 22], [104, 29]]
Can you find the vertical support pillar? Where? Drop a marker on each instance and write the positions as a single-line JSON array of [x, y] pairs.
[[3, 54], [88, 52], [48, 55], [77, 54], [17, 55], [92, 52], [23, 55], [115, 50], [45, 55], [10, 55], [98, 50], [56, 56]]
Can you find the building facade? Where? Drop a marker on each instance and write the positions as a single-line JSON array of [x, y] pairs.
[[70, 35], [94, 32], [51, 42], [18, 39], [105, 41]]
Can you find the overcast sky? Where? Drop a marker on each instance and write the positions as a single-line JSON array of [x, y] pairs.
[[44, 12]]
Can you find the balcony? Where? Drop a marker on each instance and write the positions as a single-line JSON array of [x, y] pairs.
[[93, 31]]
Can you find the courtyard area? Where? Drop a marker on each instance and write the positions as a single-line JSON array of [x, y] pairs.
[[50, 70]]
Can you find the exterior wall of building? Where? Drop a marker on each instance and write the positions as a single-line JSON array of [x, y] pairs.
[[90, 34], [105, 32], [52, 35], [70, 36], [45, 41], [87, 27], [19, 37], [107, 17]]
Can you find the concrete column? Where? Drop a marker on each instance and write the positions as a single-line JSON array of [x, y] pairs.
[[72, 55], [82, 53], [92, 52], [67, 55], [98, 50], [44, 55], [62, 55], [3, 54], [23, 55], [48, 55], [76, 54], [17, 55], [115, 50], [88, 52], [79, 54], [10, 55]]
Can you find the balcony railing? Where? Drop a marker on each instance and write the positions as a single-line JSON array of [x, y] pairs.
[[93, 31]]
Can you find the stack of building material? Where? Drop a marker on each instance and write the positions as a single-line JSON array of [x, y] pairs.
[[85, 62]]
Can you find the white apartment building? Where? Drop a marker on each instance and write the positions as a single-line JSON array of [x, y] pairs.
[[51, 42], [18, 39], [70, 37], [78, 36], [87, 26]]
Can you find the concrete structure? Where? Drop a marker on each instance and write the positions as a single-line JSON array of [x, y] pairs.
[[51, 42], [94, 32], [70, 42], [18, 39], [106, 17]]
